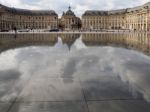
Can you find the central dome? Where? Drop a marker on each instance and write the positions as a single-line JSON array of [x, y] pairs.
[[70, 12]]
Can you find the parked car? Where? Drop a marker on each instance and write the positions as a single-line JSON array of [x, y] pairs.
[[4, 30], [54, 30]]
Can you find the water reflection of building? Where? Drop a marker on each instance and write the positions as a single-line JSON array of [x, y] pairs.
[[137, 41], [8, 41], [69, 39]]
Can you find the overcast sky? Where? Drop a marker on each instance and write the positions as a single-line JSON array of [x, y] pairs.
[[78, 6]]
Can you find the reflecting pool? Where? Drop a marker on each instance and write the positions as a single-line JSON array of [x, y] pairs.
[[75, 73]]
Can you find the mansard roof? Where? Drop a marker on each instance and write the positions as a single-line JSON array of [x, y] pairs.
[[28, 12], [113, 12], [120, 11], [103, 13], [94, 12]]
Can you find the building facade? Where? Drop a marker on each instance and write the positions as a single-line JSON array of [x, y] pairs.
[[22, 19], [137, 18], [69, 21]]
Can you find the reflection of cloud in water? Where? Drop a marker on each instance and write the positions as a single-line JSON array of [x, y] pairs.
[[88, 64], [9, 88], [119, 63], [133, 68], [60, 46], [137, 75], [8, 60], [78, 44]]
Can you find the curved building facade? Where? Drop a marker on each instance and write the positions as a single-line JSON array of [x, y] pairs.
[[137, 18], [22, 18]]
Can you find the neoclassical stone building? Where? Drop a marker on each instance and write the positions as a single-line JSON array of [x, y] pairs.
[[103, 19], [69, 21], [137, 18], [22, 18]]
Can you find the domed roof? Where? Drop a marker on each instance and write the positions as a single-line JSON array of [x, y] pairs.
[[70, 12]]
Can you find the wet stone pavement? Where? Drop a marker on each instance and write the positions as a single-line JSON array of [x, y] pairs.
[[76, 78]]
